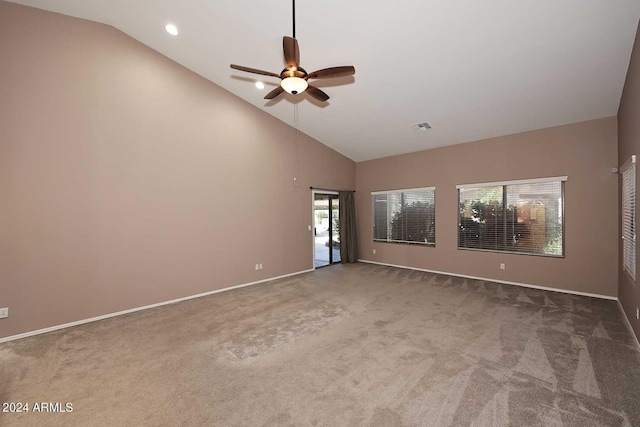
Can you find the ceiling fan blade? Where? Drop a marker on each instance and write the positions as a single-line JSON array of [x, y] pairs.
[[332, 72], [317, 93], [277, 91], [291, 52], [254, 71]]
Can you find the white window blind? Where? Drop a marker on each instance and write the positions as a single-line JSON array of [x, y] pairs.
[[629, 217], [404, 216], [515, 216]]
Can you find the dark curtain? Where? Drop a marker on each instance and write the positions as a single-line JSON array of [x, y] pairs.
[[348, 238]]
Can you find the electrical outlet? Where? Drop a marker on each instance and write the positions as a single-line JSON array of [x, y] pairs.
[[4, 312], [502, 266], [637, 313], [374, 251], [259, 266]]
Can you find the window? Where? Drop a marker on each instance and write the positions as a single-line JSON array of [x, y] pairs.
[[525, 216], [629, 217], [405, 216]]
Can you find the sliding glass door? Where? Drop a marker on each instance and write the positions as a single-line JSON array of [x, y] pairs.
[[326, 215]]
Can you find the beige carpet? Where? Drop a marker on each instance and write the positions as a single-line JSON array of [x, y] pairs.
[[345, 345]]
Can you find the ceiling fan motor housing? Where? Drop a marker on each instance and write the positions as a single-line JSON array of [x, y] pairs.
[[294, 72]]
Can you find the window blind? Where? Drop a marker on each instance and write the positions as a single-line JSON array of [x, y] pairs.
[[404, 216], [629, 217], [520, 217]]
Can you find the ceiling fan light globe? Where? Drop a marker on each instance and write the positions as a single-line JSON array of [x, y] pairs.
[[294, 85]]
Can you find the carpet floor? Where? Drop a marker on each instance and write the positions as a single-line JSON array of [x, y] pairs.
[[347, 345]]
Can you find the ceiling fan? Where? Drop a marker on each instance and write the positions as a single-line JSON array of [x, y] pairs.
[[295, 79]]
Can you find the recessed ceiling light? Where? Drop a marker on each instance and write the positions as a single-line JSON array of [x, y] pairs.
[[260, 85], [171, 29]]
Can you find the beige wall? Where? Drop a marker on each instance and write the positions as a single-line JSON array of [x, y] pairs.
[[585, 152], [629, 144], [127, 180]]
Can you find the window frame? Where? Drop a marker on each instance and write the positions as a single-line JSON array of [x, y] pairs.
[[402, 191], [504, 184]]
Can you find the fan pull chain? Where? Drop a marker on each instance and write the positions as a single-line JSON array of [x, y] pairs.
[[296, 147]]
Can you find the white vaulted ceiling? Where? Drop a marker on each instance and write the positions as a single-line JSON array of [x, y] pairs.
[[472, 69]]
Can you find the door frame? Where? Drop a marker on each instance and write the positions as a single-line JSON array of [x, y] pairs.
[[313, 221]]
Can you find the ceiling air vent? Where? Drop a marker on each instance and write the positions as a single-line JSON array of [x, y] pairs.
[[423, 126]]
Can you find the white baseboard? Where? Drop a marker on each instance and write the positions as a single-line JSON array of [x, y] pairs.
[[526, 285], [628, 324], [146, 307]]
